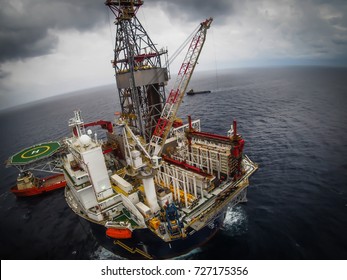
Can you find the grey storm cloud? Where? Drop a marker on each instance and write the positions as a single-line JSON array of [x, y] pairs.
[[27, 26], [4, 74], [192, 10]]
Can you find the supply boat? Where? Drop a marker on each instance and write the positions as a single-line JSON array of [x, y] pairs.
[[29, 185], [43, 157], [192, 92], [165, 187]]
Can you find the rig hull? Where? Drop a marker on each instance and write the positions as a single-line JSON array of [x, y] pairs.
[[144, 244]]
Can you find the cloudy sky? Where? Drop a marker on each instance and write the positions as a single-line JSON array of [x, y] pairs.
[[50, 47]]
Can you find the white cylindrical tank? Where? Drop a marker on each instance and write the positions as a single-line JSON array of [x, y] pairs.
[[151, 196]]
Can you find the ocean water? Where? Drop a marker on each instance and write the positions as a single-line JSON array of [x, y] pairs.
[[294, 122]]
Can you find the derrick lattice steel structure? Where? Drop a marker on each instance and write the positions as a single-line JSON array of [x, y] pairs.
[[140, 74]]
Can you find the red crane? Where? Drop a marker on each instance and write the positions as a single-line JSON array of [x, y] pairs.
[[176, 95]]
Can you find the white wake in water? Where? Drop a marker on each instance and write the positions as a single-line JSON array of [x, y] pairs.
[[190, 255], [235, 221], [102, 254]]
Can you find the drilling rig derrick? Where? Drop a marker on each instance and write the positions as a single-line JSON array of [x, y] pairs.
[[140, 73]]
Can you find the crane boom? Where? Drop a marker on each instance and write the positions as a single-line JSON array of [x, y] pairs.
[[176, 95]]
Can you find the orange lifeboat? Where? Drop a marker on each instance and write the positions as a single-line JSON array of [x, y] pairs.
[[119, 233]]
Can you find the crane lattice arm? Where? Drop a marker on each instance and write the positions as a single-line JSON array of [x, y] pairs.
[[176, 95]]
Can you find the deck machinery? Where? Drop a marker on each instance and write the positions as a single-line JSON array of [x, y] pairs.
[[166, 187]]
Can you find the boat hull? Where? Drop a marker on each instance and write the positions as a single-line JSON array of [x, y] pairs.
[[144, 244], [50, 184], [198, 92]]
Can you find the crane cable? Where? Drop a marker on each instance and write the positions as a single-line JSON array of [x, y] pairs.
[[215, 60], [182, 46]]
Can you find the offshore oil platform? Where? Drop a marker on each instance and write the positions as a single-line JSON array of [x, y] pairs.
[[165, 186], [155, 188]]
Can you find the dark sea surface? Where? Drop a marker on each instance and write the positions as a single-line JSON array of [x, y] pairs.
[[294, 122]]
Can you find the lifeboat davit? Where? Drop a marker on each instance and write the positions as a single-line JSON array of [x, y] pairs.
[[119, 233]]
